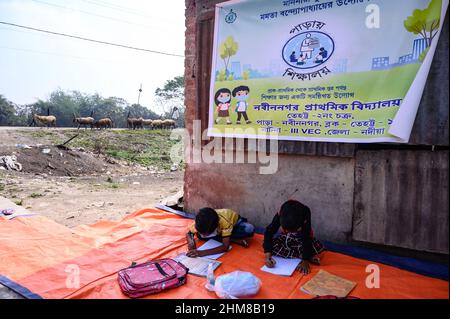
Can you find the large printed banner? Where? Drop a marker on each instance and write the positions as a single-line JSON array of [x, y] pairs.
[[321, 70]]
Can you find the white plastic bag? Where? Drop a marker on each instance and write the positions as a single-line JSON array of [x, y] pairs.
[[237, 284]]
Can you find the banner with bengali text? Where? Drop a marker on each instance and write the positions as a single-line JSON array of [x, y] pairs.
[[321, 70]]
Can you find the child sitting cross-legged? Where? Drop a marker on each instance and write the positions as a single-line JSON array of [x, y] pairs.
[[223, 225], [290, 236]]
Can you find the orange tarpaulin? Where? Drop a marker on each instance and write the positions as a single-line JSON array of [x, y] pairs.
[[53, 261]]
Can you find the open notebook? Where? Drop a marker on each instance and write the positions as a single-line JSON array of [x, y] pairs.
[[197, 266], [326, 284]]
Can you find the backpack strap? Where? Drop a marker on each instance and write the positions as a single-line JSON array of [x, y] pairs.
[[158, 266]]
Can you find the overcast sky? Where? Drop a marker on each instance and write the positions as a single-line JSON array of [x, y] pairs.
[[33, 64]]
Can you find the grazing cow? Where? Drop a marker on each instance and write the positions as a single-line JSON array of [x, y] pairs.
[[147, 123], [48, 120], [168, 124], [157, 124], [134, 122], [85, 121], [103, 123]]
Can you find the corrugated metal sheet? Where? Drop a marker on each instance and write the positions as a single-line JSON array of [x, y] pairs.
[[431, 125], [317, 149], [301, 148], [401, 199]]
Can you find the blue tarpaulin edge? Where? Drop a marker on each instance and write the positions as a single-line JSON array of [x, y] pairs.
[[426, 268], [24, 292]]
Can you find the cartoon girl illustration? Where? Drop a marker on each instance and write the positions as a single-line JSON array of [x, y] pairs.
[[223, 102]]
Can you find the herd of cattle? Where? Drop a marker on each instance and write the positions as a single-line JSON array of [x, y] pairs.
[[140, 123], [105, 123]]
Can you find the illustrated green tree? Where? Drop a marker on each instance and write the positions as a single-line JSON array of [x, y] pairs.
[[424, 54], [246, 75], [227, 49], [425, 22], [231, 77], [221, 76]]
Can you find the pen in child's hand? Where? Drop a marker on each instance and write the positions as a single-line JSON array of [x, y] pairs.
[[191, 241], [270, 262]]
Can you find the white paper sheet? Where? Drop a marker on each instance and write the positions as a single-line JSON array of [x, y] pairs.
[[210, 244], [283, 266]]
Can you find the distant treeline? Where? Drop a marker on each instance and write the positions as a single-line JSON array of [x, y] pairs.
[[66, 105]]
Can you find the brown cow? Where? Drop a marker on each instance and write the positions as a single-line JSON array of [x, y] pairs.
[[157, 124], [168, 124], [134, 122], [103, 123], [147, 122], [48, 120], [85, 121]]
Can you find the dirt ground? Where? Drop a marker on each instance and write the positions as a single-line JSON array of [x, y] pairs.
[[78, 186]]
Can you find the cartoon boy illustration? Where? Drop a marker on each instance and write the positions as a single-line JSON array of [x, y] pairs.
[[241, 93], [223, 102]]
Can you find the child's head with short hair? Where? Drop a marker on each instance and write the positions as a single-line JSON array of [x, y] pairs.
[[206, 221], [293, 215], [242, 90]]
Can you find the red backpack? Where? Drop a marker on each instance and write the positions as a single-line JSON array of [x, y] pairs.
[[152, 277]]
